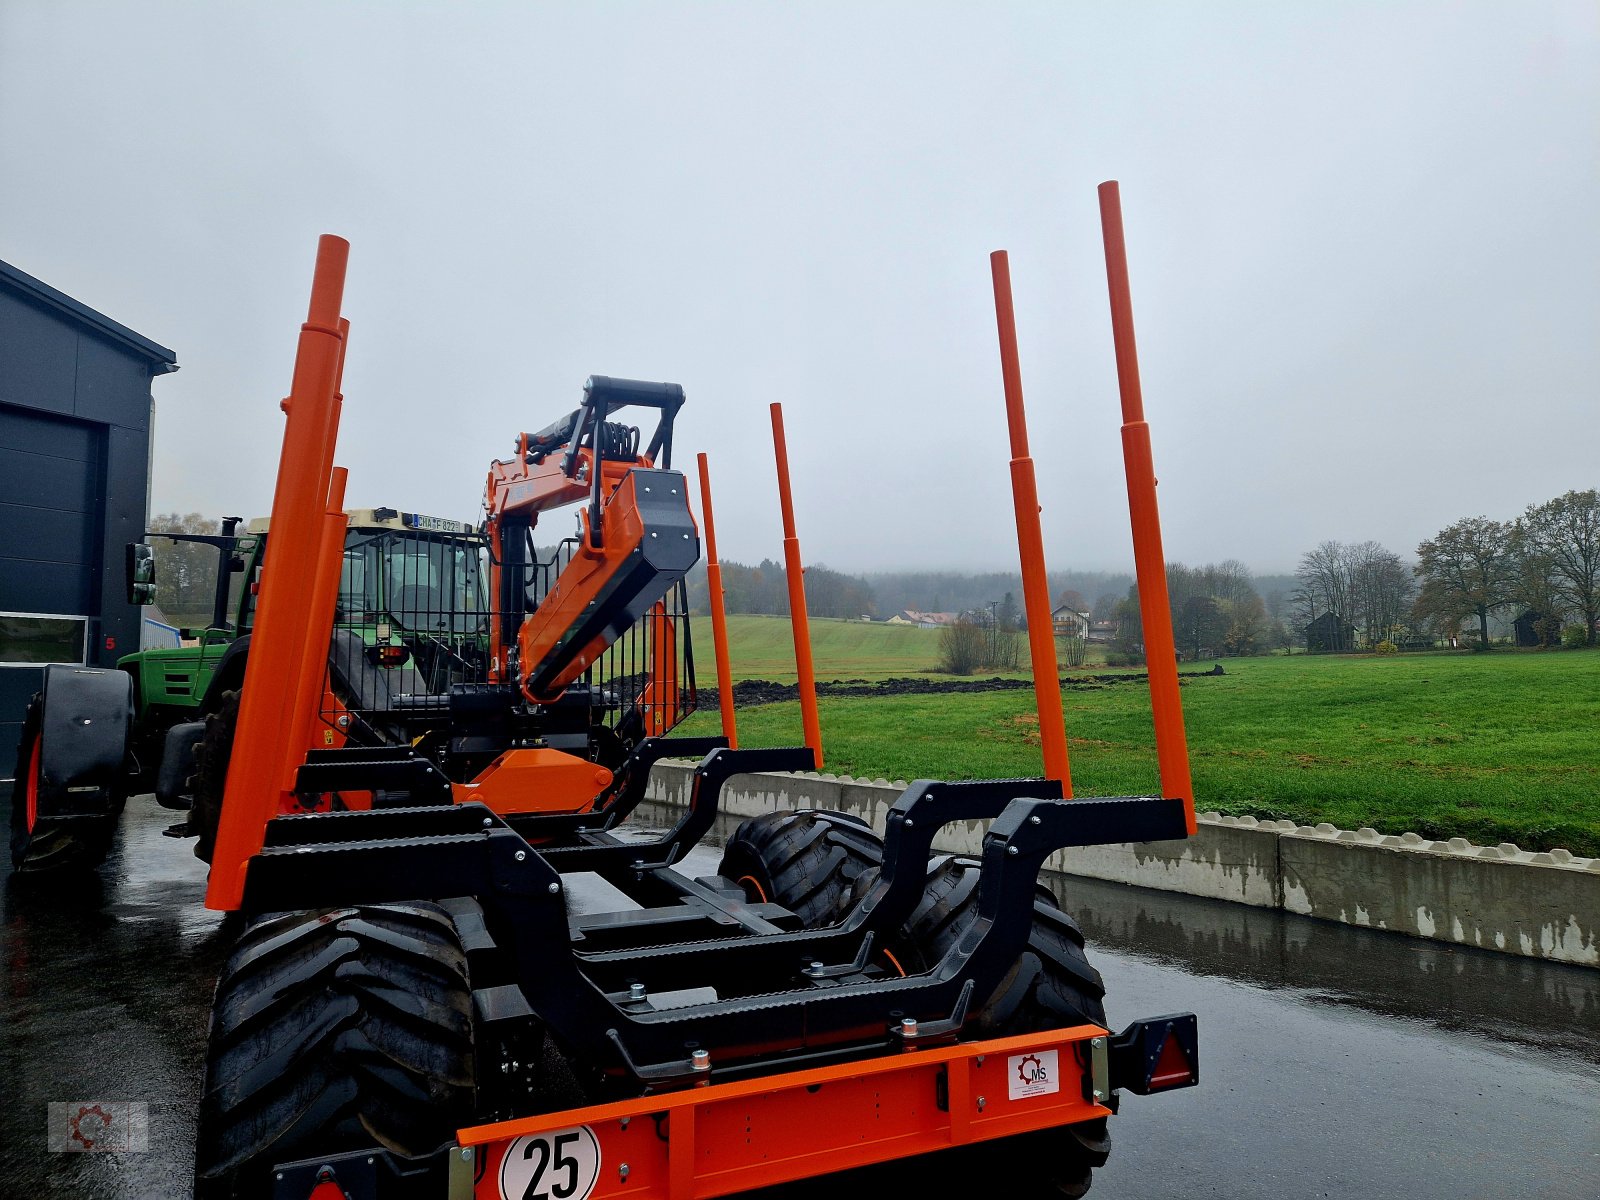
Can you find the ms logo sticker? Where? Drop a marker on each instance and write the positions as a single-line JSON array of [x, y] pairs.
[[1035, 1074]]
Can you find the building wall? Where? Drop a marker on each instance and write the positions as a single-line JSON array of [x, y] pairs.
[[75, 409]]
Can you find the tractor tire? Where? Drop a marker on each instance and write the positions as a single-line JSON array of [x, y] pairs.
[[808, 861], [1052, 985], [210, 779], [334, 1031], [56, 847]]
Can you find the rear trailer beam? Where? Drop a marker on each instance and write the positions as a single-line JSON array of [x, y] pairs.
[[722, 1138], [731, 1137]]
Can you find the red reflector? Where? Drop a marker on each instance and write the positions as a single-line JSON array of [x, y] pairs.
[[391, 656], [1172, 1066]]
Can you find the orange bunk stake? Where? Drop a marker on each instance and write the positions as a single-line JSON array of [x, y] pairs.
[[1030, 541], [719, 616], [660, 699], [319, 633], [797, 595], [267, 745], [1172, 750]]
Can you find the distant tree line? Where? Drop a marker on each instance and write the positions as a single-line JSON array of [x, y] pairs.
[[1542, 568], [763, 588], [1545, 563], [1217, 611]]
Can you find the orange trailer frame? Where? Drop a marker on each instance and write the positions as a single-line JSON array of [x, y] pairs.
[[727, 1138]]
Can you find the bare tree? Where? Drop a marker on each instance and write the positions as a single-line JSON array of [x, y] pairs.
[[1325, 584], [1229, 581], [1469, 568], [963, 647], [1562, 538], [1362, 583], [1381, 589], [1246, 620], [1074, 651]]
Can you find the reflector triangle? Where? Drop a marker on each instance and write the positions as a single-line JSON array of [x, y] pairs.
[[1172, 1066]]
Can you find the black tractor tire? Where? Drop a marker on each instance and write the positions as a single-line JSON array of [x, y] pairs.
[[335, 1031], [59, 847], [810, 862], [210, 779], [1051, 985]]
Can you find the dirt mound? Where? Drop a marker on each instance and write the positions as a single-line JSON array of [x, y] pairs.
[[748, 692]]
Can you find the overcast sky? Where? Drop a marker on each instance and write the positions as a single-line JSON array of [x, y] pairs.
[[1364, 242]]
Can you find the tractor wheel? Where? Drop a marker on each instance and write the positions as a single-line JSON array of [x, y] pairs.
[[334, 1031], [1051, 985], [211, 773], [807, 861], [77, 845]]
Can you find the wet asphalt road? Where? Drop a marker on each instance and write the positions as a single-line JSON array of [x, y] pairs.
[[1336, 1062]]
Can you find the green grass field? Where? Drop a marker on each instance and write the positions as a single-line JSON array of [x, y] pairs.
[[763, 648], [1496, 747]]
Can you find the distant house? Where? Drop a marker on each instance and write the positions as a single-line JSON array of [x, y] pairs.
[[1531, 623], [1330, 634], [1103, 631], [923, 620], [1068, 622]]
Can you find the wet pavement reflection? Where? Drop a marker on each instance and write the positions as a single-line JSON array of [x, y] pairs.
[[1335, 1061]]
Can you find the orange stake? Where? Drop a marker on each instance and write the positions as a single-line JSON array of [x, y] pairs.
[[1172, 750], [325, 594], [797, 595], [267, 744], [1030, 541], [719, 615]]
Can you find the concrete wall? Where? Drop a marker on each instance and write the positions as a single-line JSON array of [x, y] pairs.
[[1495, 897]]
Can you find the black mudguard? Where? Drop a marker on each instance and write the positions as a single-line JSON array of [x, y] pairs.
[[85, 723], [177, 764]]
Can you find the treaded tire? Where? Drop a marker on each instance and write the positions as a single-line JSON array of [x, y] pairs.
[[1051, 985], [210, 778], [65, 847], [807, 861], [332, 1031]]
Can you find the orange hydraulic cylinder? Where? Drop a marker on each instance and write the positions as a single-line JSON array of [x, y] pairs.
[[797, 595], [719, 615], [266, 750], [1030, 541], [1172, 747]]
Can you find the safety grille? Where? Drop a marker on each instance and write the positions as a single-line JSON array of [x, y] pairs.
[[431, 594]]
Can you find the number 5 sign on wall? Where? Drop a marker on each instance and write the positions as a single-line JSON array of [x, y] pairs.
[[560, 1165]]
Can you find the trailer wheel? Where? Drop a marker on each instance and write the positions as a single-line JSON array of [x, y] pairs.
[[334, 1031], [807, 861], [210, 778], [1051, 985], [78, 845]]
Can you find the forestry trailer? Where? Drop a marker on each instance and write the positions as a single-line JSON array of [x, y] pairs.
[[413, 1008]]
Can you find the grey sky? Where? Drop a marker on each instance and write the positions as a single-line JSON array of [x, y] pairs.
[[1363, 243]]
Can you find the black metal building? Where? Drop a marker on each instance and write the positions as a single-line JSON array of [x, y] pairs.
[[75, 411]]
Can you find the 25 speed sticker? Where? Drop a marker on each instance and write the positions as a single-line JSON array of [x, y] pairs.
[[560, 1165]]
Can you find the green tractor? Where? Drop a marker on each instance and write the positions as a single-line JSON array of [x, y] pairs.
[[415, 584]]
